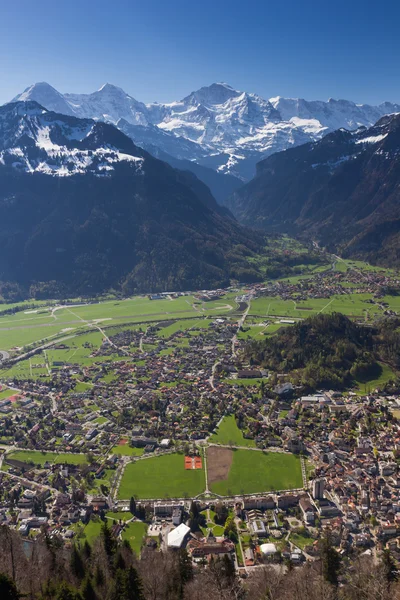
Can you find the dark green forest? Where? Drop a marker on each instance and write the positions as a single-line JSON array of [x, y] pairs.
[[329, 351], [109, 570]]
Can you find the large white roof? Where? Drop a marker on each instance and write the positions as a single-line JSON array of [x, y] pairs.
[[268, 548], [176, 536]]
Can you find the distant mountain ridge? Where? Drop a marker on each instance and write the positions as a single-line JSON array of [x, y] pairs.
[[83, 210], [216, 126], [343, 191]]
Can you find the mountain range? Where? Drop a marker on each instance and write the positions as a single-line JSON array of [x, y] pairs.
[[343, 191], [83, 209], [217, 128], [101, 191]]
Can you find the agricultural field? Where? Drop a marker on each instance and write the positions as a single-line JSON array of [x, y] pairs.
[[352, 305], [44, 324], [232, 472], [161, 477], [40, 458], [228, 433]]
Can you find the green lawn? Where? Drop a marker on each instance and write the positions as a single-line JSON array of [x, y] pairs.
[[255, 472], [92, 531], [120, 516], [228, 433], [245, 382], [218, 530], [104, 480], [134, 533], [301, 540], [127, 450], [160, 477], [40, 458]]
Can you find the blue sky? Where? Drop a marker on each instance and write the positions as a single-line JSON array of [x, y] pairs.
[[164, 49]]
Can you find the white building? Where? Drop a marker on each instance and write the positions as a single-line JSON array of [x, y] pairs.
[[177, 536], [268, 549]]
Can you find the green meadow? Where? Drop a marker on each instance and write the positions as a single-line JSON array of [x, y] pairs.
[[161, 477]]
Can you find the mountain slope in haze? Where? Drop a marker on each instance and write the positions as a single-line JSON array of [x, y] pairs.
[[217, 127], [81, 205], [221, 185], [343, 191]]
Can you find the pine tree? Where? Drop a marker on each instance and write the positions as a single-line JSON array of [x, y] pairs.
[[134, 588], [228, 567], [87, 590], [66, 592], [194, 510], [132, 506], [108, 539], [8, 590], [76, 563], [119, 562], [185, 568], [330, 561], [389, 567], [118, 591], [99, 577], [86, 550]]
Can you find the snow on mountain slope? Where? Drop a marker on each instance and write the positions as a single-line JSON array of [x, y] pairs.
[[32, 139], [110, 103], [333, 114], [216, 126], [46, 96]]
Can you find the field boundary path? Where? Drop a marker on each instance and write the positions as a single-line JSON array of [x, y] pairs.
[[303, 471]]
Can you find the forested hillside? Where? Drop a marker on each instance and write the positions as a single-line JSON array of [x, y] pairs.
[[329, 351]]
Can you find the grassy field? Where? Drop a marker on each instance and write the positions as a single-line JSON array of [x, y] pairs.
[[134, 534], [127, 450], [92, 531], [301, 540], [46, 323], [160, 477], [183, 325], [245, 382], [119, 516], [349, 304], [22, 336], [228, 433], [366, 387], [40, 458], [255, 472]]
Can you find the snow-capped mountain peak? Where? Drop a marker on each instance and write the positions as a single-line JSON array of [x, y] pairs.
[[212, 95], [35, 140], [47, 96], [217, 126]]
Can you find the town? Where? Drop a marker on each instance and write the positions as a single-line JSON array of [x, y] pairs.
[[146, 414]]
